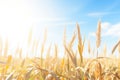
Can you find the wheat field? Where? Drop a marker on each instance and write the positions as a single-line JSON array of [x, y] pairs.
[[69, 67]]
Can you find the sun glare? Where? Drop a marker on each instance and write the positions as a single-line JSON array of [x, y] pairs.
[[15, 21]]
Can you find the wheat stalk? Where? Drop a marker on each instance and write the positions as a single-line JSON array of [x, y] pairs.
[[48, 52], [114, 48], [80, 44], [36, 46], [6, 48], [43, 45], [89, 48], [72, 40], [79, 34], [71, 55], [64, 36], [33, 46], [98, 34], [30, 36], [56, 51], [105, 50], [67, 55], [119, 48]]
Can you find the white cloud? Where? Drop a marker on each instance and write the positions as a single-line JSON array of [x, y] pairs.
[[100, 14], [92, 34], [114, 30], [109, 30], [105, 25], [97, 14]]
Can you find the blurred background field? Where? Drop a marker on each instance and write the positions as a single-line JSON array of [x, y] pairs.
[[37, 62], [59, 40]]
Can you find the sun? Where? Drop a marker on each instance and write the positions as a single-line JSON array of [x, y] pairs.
[[15, 21]]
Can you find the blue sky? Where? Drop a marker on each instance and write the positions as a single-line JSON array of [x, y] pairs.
[[86, 13], [55, 15]]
